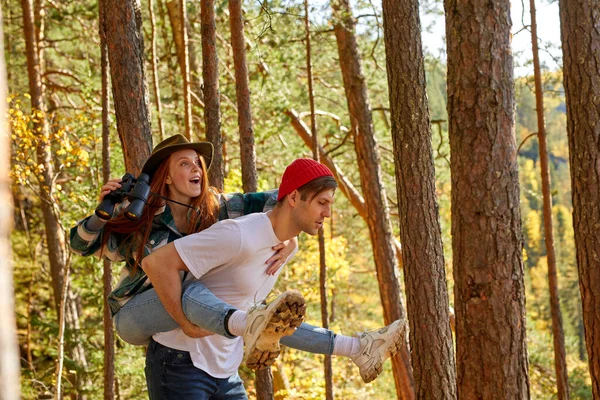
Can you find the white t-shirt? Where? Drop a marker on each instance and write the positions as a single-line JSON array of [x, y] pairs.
[[229, 259]]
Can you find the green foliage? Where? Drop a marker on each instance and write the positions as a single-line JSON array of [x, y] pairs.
[[541, 367], [540, 347], [276, 53]]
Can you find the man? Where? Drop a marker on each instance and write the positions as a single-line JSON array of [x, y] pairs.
[[228, 258]]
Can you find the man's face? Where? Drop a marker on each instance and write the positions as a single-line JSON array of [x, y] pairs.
[[311, 213]]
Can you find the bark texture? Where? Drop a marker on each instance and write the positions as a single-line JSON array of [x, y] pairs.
[[486, 223], [242, 91], [212, 101], [558, 336], [420, 232], [130, 92], [178, 17], [55, 234], [370, 177], [580, 31], [327, 366], [109, 337], [264, 384], [161, 129], [264, 377]]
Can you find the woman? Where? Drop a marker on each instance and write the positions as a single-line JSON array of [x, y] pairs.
[[184, 204], [181, 203]]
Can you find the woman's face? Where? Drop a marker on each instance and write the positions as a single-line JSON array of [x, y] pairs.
[[185, 176]]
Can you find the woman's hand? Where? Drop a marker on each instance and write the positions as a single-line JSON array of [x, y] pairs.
[[283, 251], [194, 331], [112, 184]]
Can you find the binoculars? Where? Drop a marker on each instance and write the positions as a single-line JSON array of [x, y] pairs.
[[135, 190]]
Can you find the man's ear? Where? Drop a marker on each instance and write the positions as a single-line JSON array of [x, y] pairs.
[[293, 198]]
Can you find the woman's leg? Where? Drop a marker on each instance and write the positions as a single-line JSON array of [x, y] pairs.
[[311, 339], [144, 315]]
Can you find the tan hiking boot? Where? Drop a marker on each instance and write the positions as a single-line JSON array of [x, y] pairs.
[[266, 324], [378, 346]]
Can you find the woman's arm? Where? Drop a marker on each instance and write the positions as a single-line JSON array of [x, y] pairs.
[[85, 239], [282, 253], [234, 205], [86, 236]]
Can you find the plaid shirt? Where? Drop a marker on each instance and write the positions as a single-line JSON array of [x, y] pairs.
[[119, 248]]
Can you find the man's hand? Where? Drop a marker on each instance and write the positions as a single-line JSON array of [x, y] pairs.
[[162, 268], [194, 331]]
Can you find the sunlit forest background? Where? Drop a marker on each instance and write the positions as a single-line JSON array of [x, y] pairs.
[[278, 79]]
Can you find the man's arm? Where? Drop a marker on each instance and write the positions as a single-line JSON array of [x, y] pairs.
[[162, 268]]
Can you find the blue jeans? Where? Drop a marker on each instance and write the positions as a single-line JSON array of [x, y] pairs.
[[144, 315], [170, 374]]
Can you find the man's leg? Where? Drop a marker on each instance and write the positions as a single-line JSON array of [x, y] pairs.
[[171, 375], [231, 389]]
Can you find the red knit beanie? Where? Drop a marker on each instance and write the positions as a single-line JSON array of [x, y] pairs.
[[299, 173]]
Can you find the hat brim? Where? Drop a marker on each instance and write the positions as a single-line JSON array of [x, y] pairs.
[[205, 149]]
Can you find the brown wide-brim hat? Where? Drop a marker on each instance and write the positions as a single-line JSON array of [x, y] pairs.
[[175, 143]]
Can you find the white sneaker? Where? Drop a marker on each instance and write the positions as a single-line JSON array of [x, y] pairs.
[[266, 324], [378, 346]]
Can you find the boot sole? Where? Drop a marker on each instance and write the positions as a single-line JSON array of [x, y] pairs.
[[283, 319]]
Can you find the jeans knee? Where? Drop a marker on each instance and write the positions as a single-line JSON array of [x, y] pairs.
[[126, 331]]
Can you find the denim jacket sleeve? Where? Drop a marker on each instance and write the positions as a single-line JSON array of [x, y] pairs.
[[234, 205]]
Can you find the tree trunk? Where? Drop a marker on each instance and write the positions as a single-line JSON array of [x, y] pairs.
[[39, 23], [370, 178], [61, 334], [161, 129], [109, 340], [212, 102], [130, 92], [178, 16], [344, 184], [264, 384], [55, 234], [264, 378], [328, 370], [581, 46], [487, 238], [560, 358], [176, 19], [242, 91], [9, 362], [420, 232]]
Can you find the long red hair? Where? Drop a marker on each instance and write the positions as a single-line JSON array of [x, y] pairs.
[[204, 213]]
